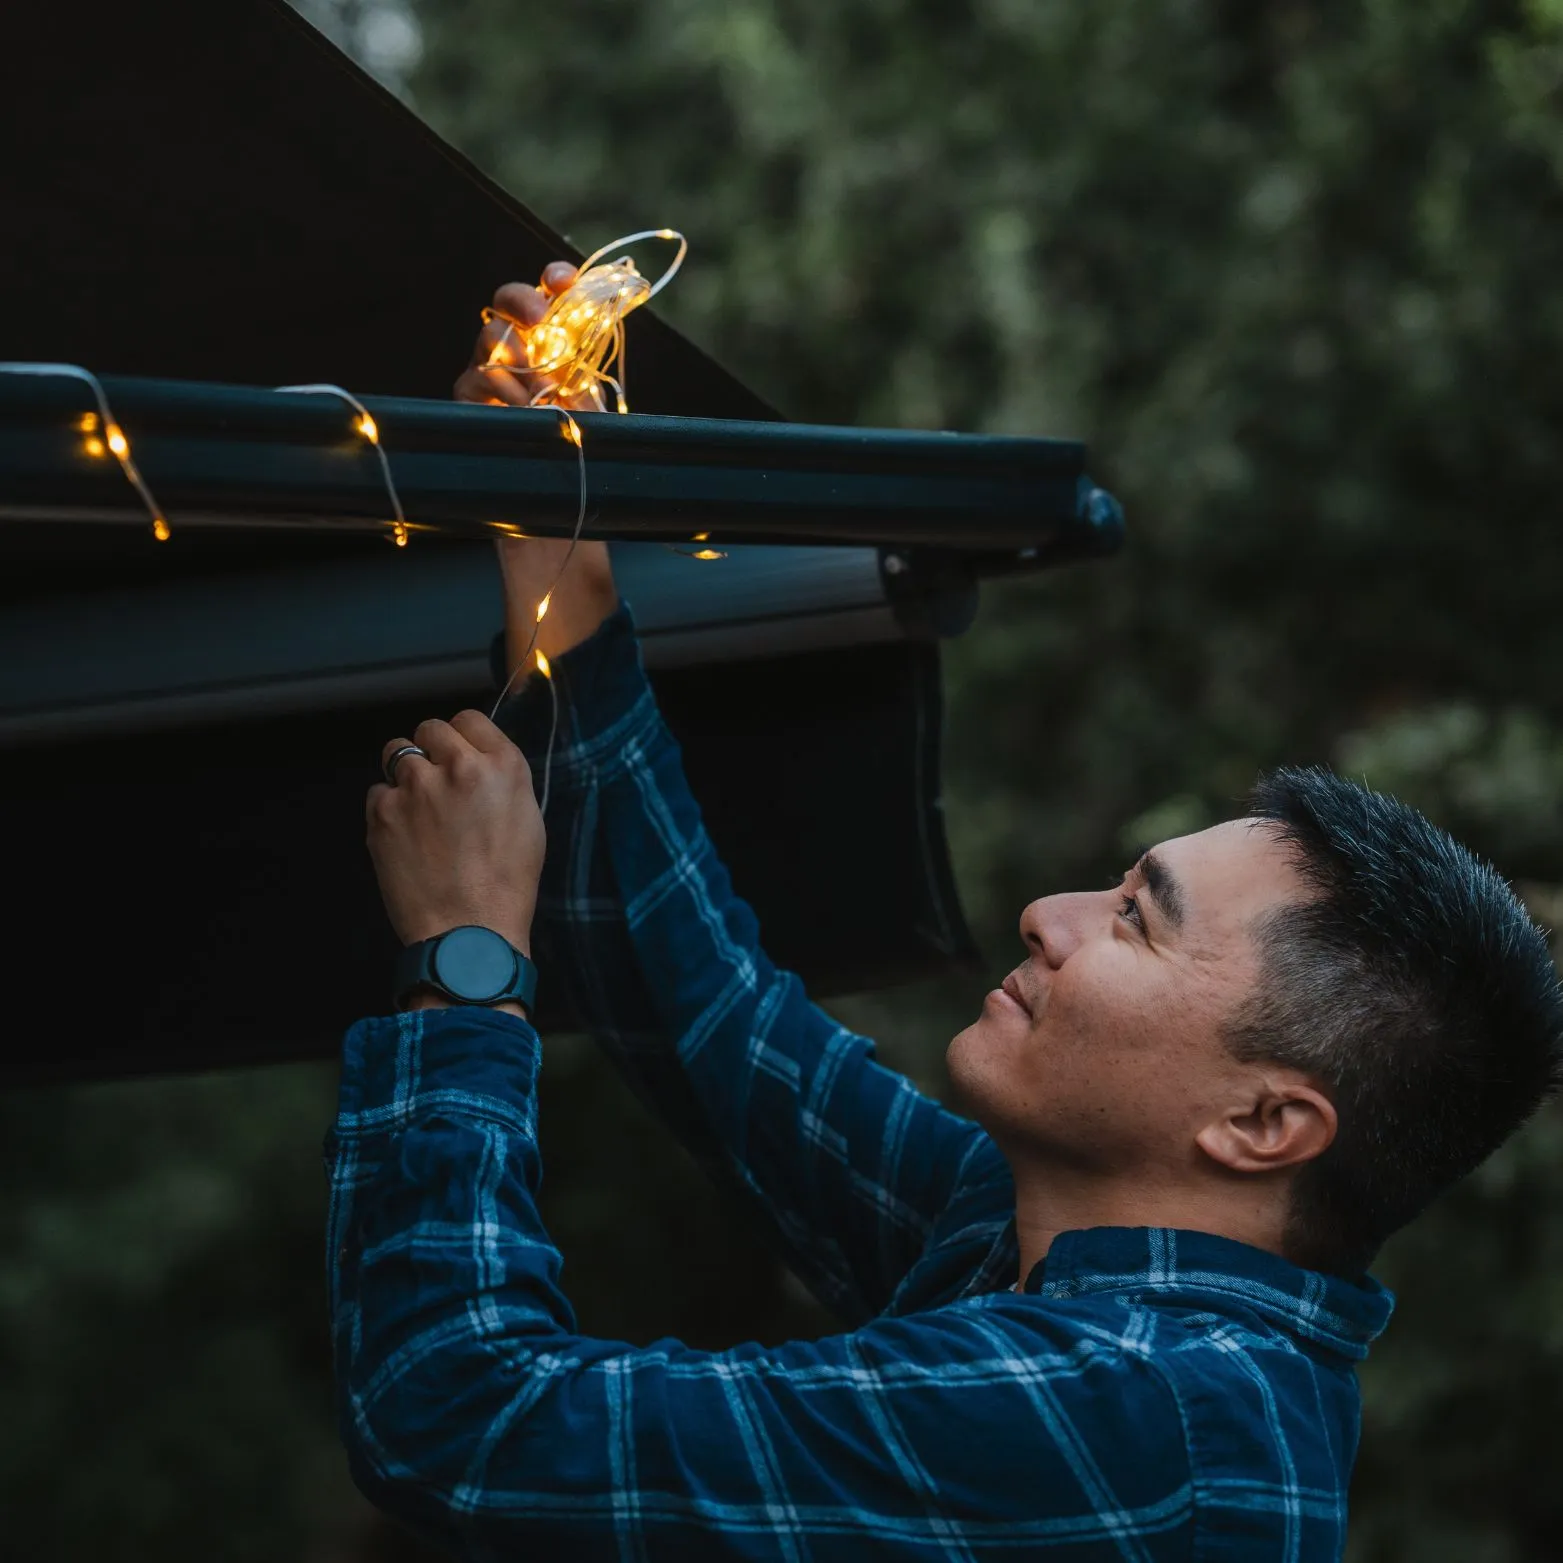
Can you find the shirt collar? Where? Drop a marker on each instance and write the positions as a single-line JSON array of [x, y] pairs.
[[1216, 1274]]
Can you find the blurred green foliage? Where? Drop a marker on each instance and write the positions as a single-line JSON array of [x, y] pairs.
[[1292, 270]]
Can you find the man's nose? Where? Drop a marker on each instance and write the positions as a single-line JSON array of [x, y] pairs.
[[1055, 926]]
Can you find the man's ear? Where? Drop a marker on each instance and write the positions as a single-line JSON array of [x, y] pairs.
[[1286, 1121]]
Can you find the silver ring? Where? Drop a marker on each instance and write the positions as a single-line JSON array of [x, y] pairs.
[[392, 760]]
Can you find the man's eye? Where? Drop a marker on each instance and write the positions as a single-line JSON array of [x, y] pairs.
[[1129, 909]]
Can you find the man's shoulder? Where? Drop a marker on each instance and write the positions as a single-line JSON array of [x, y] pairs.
[[1264, 1427], [1249, 1369], [1049, 1419], [1224, 1361], [1272, 1425]]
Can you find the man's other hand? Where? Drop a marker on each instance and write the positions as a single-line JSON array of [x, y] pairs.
[[585, 595], [459, 838]]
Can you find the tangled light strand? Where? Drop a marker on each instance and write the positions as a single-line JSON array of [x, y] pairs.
[[579, 343], [103, 423], [581, 337]]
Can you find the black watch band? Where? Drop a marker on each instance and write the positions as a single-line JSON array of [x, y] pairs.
[[468, 965]]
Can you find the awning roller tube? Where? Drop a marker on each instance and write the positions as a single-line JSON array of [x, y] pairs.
[[239, 457]]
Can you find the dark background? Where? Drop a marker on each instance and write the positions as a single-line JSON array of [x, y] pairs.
[[1292, 270]]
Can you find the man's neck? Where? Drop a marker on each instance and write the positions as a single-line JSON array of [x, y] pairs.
[[1051, 1200]]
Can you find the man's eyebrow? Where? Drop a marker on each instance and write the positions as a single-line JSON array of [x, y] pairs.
[[1164, 888]]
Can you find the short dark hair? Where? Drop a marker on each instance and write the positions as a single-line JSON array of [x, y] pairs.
[[1416, 987]]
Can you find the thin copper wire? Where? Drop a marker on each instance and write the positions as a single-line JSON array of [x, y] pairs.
[[115, 440], [370, 430]]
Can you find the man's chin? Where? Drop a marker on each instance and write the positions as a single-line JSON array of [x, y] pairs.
[[964, 1061], [960, 1098]]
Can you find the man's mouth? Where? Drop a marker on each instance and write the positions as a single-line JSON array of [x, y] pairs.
[[1011, 987]]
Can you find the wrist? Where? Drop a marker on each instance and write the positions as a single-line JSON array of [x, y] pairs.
[[581, 597], [517, 938], [425, 999], [466, 965]]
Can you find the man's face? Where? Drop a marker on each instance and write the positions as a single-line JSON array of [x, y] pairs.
[[1103, 1050]]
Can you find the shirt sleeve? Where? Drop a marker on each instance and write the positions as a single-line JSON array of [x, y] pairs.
[[473, 1410], [848, 1162]]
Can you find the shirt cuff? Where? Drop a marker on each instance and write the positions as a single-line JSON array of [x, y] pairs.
[[466, 1061]]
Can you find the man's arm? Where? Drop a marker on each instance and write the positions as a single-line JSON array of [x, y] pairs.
[[662, 961], [637, 918], [472, 1409]]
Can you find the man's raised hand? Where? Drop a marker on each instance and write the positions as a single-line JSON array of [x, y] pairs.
[[459, 838]]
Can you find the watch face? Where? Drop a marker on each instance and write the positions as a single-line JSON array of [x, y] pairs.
[[474, 963]]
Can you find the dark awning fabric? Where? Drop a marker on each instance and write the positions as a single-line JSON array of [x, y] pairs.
[[216, 193], [201, 899], [203, 192]]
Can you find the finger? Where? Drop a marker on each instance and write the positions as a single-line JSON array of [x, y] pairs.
[[557, 276], [500, 341], [520, 302], [500, 354], [483, 735], [444, 744], [472, 386], [496, 386], [406, 760]]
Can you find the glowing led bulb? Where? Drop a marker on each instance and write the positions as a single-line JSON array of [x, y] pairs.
[[572, 431], [548, 346], [700, 553], [399, 534], [543, 667], [542, 607], [90, 424], [369, 429]]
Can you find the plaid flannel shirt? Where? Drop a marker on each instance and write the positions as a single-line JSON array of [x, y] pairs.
[[1148, 1394]]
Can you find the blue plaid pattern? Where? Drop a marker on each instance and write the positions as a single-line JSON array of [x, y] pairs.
[[1148, 1395]]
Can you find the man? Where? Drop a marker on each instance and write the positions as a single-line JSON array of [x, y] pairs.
[[1115, 1314]]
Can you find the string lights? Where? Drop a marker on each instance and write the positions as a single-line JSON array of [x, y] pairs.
[[101, 434], [364, 425], [533, 652], [576, 349], [581, 337], [572, 432]]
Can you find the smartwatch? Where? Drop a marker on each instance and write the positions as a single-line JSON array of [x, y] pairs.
[[468, 965]]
